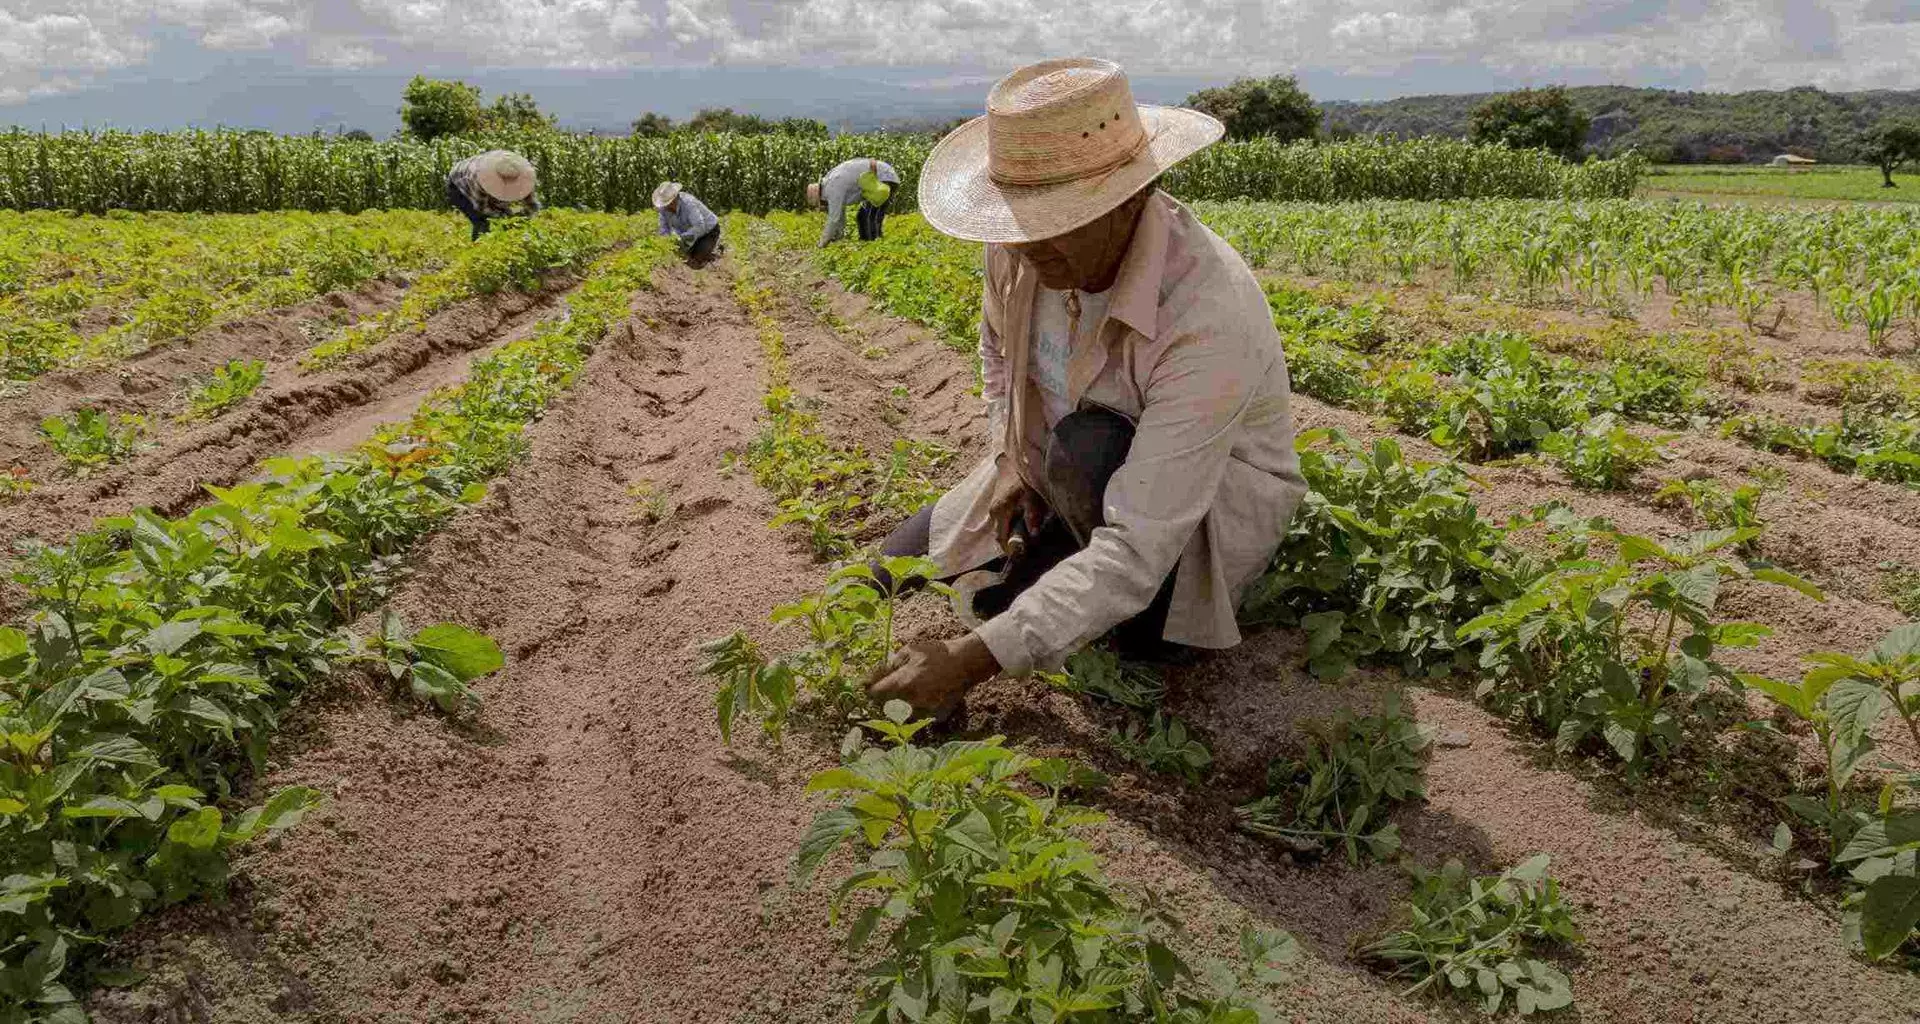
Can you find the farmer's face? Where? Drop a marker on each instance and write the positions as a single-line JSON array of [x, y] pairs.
[[1088, 257]]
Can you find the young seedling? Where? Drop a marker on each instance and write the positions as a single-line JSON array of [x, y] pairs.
[[1163, 744], [229, 386], [1475, 938], [1098, 672], [849, 633], [1339, 793], [1601, 454], [90, 440], [654, 503], [1715, 507], [439, 661], [16, 482]]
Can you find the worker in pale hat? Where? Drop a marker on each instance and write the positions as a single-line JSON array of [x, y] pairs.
[[863, 180], [688, 220], [497, 183], [1141, 469]]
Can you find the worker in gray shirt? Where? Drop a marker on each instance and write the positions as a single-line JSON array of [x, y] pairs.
[[864, 180], [689, 221]]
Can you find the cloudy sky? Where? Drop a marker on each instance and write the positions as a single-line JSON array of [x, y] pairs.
[[96, 59]]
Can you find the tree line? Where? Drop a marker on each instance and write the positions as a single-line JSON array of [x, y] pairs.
[[1556, 119]]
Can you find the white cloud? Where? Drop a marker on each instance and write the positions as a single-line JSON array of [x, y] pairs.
[[51, 45]]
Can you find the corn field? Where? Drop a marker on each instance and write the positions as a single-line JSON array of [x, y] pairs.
[[243, 172], [1860, 265]]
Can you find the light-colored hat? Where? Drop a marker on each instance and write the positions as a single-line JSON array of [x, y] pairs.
[[504, 175], [665, 194], [1062, 142]]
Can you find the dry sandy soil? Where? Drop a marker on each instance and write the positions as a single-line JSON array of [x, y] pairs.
[[585, 849]]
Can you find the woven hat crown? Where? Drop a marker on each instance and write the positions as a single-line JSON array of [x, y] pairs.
[[1061, 120]]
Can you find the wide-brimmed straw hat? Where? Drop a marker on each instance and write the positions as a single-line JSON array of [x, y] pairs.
[[1062, 142], [665, 194], [504, 175]]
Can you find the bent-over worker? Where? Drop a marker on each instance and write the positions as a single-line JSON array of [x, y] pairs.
[[865, 180], [497, 183], [1141, 440], [688, 220]]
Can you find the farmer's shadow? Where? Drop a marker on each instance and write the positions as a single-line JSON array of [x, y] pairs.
[[1252, 705]]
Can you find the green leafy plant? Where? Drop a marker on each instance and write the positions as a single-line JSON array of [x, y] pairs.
[[439, 661], [90, 439], [1478, 938], [1607, 646], [1883, 854], [1601, 453], [1384, 557], [1098, 672], [1337, 795], [989, 908], [849, 633], [1714, 506], [1163, 744], [229, 386]]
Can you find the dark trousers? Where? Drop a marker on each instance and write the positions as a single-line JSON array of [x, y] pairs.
[[870, 219], [700, 250], [460, 202], [1085, 450]]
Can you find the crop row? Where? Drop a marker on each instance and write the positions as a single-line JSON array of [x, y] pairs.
[[99, 289], [142, 687], [241, 172], [1861, 265], [519, 256]]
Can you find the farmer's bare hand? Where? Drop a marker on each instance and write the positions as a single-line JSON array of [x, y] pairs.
[[1012, 497], [933, 675]]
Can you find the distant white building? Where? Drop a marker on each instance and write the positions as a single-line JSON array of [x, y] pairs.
[[1792, 160]]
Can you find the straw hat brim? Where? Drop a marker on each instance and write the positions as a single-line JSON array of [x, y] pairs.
[[507, 190], [665, 194], [959, 198]]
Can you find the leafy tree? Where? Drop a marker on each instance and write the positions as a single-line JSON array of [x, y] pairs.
[[652, 125], [1890, 144], [357, 135], [516, 110], [1532, 119], [1253, 107], [725, 119], [432, 108]]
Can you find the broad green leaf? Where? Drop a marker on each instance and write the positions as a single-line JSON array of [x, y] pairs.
[[198, 830], [169, 637], [1882, 835], [1889, 914], [830, 828], [464, 653]]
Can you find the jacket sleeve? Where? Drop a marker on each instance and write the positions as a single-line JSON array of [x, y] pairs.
[[664, 229], [1196, 396]]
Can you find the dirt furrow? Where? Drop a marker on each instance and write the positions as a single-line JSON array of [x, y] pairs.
[[293, 413]]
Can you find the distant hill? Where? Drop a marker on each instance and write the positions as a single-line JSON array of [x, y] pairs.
[[1669, 126]]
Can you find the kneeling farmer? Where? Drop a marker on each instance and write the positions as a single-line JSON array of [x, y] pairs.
[[1137, 394], [492, 184]]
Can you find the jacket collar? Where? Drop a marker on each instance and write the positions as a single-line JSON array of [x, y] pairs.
[[1136, 291]]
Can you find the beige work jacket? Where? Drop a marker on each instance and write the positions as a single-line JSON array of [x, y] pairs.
[[1189, 352]]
